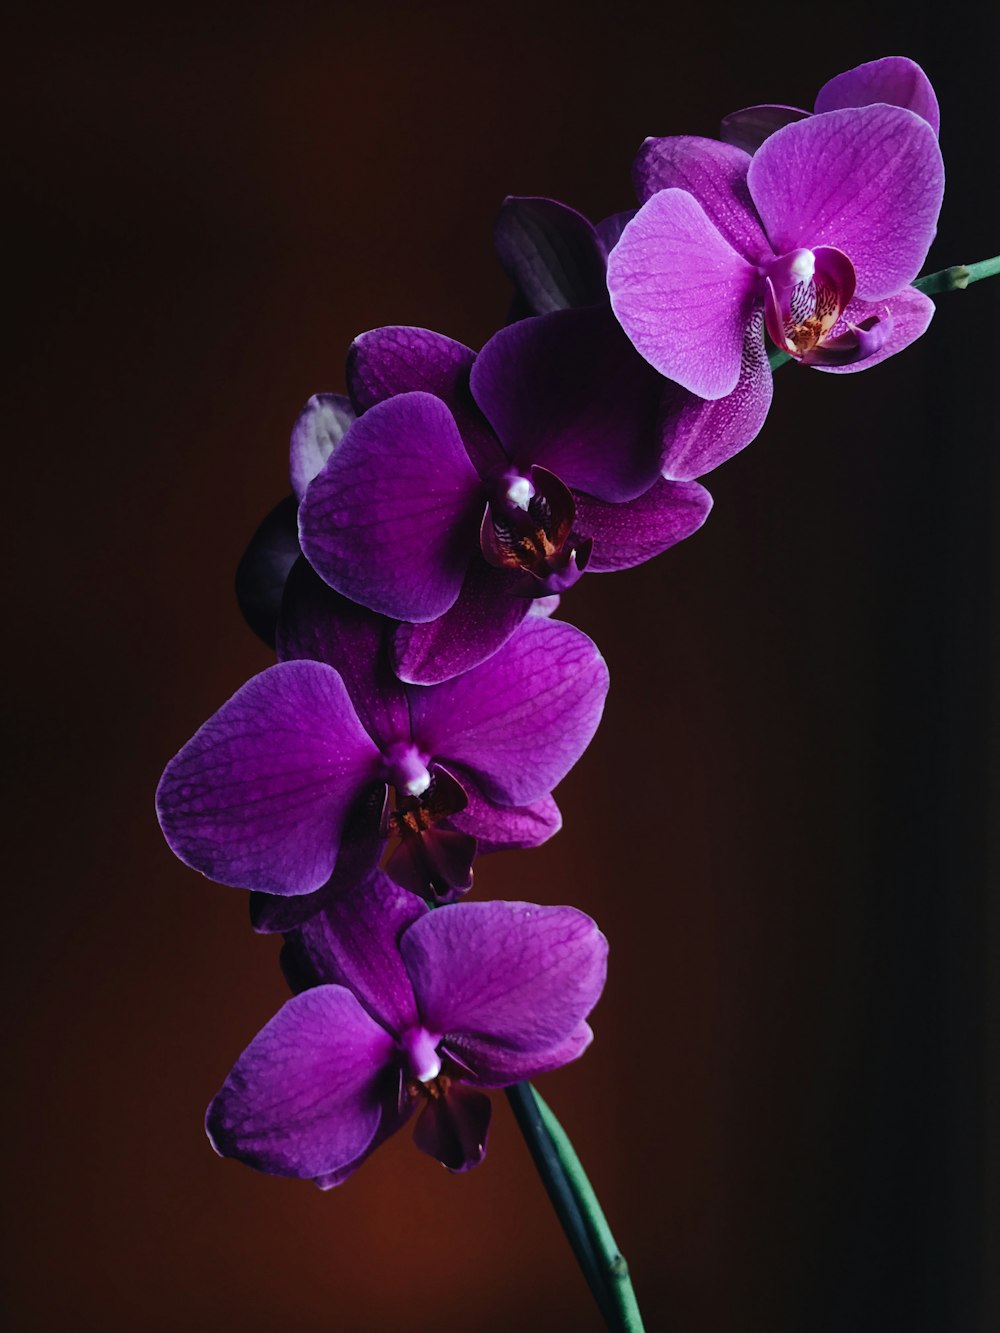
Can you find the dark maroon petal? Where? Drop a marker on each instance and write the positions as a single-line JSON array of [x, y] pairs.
[[501, 827], [393, 518], [568, 392], [354, 942], [747, 129], [321, 426], [551, 253], [521, 720], [389, 361], [435, 864], [700, 434], [304, 1097], [453, 1128], [716, 174], [482, 619], [259, 795], [626, 535], [261, 574], [319, 624], [893, 79]]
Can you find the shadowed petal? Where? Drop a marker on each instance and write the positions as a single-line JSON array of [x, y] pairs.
[[868, 181], [716, 175], [910, 312], [551, 253], [321, 426], [610, 231], [394, 1117], [506, 976], [453, 1127], [521, 720], [261, 574], [626, 535], [893, 79], [747, 129], [495, 1066], [503, 827], [482, 619], [393, 518], [567, 392], [258, 796], [303, 1098], [683, 294]]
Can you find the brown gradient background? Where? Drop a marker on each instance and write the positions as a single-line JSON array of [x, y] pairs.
[[782, 825]]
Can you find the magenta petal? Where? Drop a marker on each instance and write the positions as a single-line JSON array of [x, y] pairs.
[[626, 535], [393, 518], [551, 253], [682, 294], [503, 827], [482, 619], [304, 1097], [911, 312], [521, 720], [566, 391], [321, 426], [747, 129], [716, 175], [867, 180], [354, 942], [453, 1127], [258, 796], [495, 1066], [508, 975], [394, 1117], [700, 435], [893, 79]]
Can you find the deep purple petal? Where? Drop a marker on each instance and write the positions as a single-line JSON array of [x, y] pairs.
[[551, 253], [699, 435], [258, 796], [453, 1128], [626, 535], [321, 426], [320, 625], [261, 574], [893, 79], [867, 180], [385, 362], [509, 976], [482, 619], [682, 294], [394, 1117], [716, 175], [911, 312], [747, 129], [566, 391], [521, 720], [436, 864], [303, 1098], [354, 942], [495, 1066], [503, 827], [393, 518]]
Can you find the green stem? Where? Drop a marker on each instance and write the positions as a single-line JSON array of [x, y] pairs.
[[954, 279], [580, 1214]]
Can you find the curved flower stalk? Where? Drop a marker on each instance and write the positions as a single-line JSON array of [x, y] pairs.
[[403, 1010]]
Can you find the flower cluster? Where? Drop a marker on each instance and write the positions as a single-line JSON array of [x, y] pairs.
[[425, 703]]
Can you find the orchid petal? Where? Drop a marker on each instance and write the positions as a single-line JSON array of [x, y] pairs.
[[494, 1066], [320, 427], [748, 128], [551, 253], [503, 827], [261, 574], [452, 1128], [629, 534], [893, 79], [911, 312]]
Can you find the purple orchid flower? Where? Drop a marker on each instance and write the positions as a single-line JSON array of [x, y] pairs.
[[407, 1009], [895, 80], [475, 484], [556, 259], [823, 230], [284, 790]]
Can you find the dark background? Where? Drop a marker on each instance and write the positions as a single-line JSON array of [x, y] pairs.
[[782, 825]]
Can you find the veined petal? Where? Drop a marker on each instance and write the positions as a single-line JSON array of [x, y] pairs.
[[629, 534], [258, 796], [683, 294], [393, 1117], [748, 128], [567, 392], [551, 253], [716, 175], [320, 427], [263, 571], [495, 1066], [910, 311], [393, 518], [522, 719], [503, 827], [303, 1098], [867, 180], [510, 976], [893, 79]]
